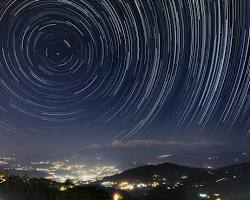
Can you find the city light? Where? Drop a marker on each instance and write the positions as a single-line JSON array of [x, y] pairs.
[[2, 181], [61, 170], [154, 184], [203, 195], [126, 186], [184, 177], [63, 188], [3, 176], [107, 184], [141, 185], [117, 196]]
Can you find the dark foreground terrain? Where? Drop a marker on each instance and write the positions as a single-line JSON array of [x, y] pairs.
[[160, 182], [39, 189]]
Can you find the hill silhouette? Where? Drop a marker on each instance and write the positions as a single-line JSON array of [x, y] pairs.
[[180, 183]]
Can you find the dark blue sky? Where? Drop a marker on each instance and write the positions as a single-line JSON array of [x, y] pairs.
[[80, 73]]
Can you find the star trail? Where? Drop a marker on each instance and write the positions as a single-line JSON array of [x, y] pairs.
[[124, 65]]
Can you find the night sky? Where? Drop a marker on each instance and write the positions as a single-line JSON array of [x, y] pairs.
[[93, 74]]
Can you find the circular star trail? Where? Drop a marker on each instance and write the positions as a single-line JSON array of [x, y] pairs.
[[122, 64]]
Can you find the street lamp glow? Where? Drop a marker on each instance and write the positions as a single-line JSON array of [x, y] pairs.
[[203, 195], [117, 196]]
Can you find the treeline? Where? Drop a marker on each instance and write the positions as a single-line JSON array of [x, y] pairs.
[[16, 188]]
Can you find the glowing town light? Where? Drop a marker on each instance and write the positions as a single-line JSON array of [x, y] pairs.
[[203, 195], [117, 196], [141, 185], [155, 184], [2, 181], [108, 184], [126, 186], [63, 188]]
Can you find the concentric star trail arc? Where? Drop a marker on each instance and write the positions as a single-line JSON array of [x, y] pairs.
[[124, 63]]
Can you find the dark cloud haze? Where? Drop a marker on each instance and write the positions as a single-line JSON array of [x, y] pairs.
[[81, 72]]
